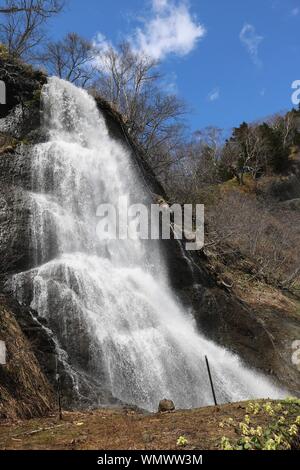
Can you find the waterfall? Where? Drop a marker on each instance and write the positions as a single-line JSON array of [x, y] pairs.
[[108, 303]]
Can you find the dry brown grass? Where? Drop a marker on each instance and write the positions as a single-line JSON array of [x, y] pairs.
[[267, 236], [128, 430], [24, 390]]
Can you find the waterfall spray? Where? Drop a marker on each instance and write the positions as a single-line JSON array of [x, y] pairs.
[[108, 303]]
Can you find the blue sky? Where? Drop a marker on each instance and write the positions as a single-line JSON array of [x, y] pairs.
[[230, 60]]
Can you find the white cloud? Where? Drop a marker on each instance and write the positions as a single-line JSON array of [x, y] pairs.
[[102, 45], [171, 29], [295, 11], [101, 42], [214, 95], [251, 41], [159, 5]]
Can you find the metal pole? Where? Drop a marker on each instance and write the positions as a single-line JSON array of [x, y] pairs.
[[58, 391], [59, 400], [211, 382]]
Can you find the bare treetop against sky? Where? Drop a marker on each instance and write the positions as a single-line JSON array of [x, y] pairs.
[[231, 61]]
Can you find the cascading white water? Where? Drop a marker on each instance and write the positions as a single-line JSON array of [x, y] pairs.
[[111, 302]]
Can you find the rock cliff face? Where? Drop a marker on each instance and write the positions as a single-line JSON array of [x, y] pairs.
[[263, 338]]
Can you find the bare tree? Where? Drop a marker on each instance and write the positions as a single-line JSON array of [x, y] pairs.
[[123, 76], [24, 21], [132, 82], [70, 59], [286, 125], [258, 231], [43, 7], [196, 169], [246, 151], [208, 145]]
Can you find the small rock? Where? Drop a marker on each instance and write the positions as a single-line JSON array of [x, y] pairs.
[[166, 405], [147, 438]]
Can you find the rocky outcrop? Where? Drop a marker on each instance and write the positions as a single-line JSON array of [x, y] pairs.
[[23, 85]]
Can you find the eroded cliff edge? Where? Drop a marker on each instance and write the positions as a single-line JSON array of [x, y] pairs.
[[262, 333]]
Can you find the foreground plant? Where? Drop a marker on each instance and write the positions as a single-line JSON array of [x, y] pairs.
[[182, 441], [281, 432]]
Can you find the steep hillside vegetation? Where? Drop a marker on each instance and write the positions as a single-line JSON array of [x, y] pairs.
[[24, 389]]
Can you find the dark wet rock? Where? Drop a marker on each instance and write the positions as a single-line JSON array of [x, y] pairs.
[[15, 249], [23, 85]]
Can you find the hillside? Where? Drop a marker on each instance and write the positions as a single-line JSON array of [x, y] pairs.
[[126, 429]]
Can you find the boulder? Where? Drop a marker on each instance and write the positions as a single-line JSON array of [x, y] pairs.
[[166, 406]]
